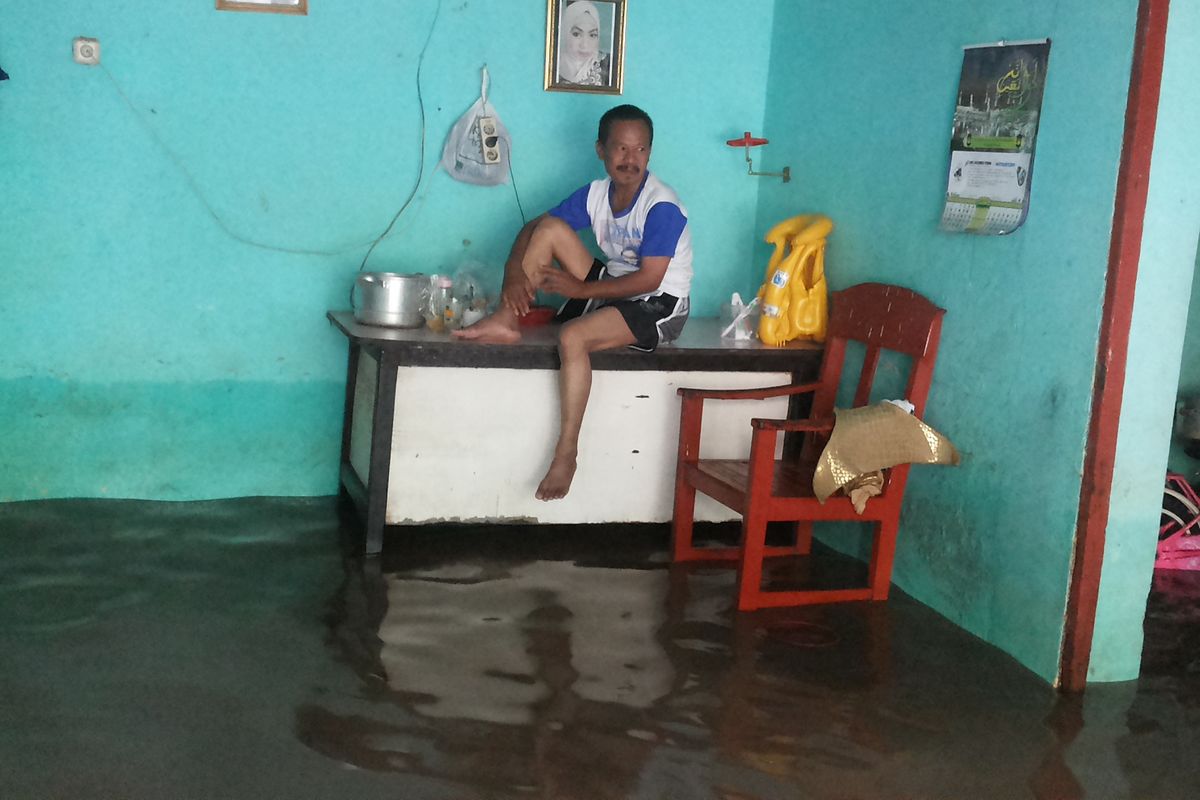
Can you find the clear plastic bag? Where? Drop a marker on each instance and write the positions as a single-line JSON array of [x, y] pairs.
[[464, 158]]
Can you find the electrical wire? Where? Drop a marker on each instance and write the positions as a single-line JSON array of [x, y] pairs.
[[421, 168], [194, 186], [196, 190], [513, 178]]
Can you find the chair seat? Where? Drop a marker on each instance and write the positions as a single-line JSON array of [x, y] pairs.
[[790, 479], [728, 481]]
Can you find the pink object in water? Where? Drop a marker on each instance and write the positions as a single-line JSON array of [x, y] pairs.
[[1179, 535]]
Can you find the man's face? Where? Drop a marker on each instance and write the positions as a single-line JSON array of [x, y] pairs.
[[626, 153]]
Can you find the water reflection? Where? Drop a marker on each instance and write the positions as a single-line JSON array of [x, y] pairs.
[[505, 673], [594, 678], [502, 645], [229, 650]]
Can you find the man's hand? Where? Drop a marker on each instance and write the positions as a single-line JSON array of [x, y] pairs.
[[561, 282], [517, 295]]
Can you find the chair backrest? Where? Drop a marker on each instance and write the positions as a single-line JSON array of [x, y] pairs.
[[881, 317]]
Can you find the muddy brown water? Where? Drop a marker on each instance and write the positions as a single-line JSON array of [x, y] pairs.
[[240, 649]]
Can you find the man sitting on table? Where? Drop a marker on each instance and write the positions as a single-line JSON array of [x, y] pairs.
[[639, 298]]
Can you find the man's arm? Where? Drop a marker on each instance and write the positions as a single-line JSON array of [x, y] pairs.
[[645, 280], [664, 225]]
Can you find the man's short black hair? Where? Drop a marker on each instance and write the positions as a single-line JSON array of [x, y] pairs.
[[623, 113]]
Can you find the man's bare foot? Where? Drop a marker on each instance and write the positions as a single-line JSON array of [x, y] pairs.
[[493, 329], [558, 479]]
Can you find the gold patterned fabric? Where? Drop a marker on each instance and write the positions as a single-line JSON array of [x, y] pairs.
[[872, 438]]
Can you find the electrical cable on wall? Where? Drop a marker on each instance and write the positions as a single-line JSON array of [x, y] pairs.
[[513, 178], [421, 160], [194, 186]]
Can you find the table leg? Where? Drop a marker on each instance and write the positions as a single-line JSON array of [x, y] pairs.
[[381, 452], [348, 411]]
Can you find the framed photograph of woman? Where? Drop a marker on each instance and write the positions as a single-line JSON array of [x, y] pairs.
[[269, 6], [585, 46]]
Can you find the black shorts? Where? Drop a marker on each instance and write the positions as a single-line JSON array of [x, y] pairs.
[[653, 320]]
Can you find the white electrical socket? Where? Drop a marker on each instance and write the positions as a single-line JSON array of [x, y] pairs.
[[489, 140], [86, 51]]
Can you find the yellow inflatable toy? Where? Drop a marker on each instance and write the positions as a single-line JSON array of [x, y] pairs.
[[794, 298]]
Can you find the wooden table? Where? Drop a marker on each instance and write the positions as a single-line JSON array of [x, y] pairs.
[[384, 351]]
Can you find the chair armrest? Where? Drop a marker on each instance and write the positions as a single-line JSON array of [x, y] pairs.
[[816, 425], [748, 394]]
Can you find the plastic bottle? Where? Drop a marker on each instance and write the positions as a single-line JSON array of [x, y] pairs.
[[468, 291], [442, 314]]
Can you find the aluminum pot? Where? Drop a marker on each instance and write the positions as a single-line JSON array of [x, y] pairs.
[[388, 298]]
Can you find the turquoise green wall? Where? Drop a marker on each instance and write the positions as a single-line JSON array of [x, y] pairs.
[[177, 221], [1156, 344], [1189, 381], [859, 103]]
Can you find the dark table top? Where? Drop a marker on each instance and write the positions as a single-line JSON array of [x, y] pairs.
[[699, 348]]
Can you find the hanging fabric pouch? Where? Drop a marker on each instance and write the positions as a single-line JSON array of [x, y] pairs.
[[478, 147]]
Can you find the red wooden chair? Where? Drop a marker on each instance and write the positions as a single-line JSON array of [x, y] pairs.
[[764, 489]]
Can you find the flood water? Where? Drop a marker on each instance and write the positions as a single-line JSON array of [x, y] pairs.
[[240, 649]]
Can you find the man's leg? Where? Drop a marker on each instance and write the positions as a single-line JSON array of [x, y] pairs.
[[578, 339], [555, 241], [551, 240]]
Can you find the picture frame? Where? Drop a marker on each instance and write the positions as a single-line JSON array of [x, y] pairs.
[[265, 6], [585, 46]]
